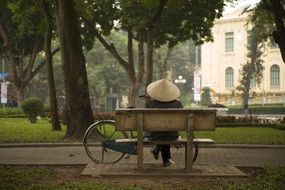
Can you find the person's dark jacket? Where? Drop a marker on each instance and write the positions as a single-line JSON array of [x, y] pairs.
[[163, 135]]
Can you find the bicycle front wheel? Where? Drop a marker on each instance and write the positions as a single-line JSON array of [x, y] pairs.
[[95, 139]]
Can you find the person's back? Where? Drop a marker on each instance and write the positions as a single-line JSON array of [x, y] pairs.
[[164, 94], [163, 135]]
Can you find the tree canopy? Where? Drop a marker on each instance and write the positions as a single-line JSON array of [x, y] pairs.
[[271, 15]]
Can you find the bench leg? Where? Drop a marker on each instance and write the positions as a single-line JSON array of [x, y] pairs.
[[140, 143], [189, 145], [188, 157]]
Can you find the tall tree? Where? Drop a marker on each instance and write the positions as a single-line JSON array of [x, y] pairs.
[[49, 65], [253, 69], [162, 55], [77, 101], [104, 72], [153, 22], [271, 14], [22, 40], [101, 22]]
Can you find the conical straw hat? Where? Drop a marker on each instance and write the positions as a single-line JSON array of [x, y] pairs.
[[163, 90]]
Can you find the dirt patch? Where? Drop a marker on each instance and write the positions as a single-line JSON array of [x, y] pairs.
[[253, 171], [66, 173], [60, 174]]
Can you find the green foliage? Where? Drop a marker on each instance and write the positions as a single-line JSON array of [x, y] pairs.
[[252, 70], [32, 107], [104, 73], [272, 179], [261, 17], [22, 21], [46, 110], [259, 125], [11, 112], [98, 13], [259, 110], [270, 15], [194, 19], [252, 119], [178, 61], [206, 96]]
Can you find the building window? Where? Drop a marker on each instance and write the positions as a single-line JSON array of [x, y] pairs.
[[229, 39], [229, 78], [275, 76]]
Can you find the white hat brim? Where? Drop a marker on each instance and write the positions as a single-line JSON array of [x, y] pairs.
[[163, 90]]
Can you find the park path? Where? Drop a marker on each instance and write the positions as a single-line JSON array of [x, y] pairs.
[[235, 155]]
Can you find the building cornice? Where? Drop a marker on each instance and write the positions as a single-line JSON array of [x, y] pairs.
[[229, 20]]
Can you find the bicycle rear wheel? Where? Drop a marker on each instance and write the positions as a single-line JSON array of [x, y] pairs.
[[95, 139]]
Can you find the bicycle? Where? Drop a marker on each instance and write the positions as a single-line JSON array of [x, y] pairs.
[[101, 147]]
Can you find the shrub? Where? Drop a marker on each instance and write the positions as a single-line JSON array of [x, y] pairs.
[[259, 110], [11, 112], [32, 107], [217, 106], [46, 110], [253, 121], [206, 96]]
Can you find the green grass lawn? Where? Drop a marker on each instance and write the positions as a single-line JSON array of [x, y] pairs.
[[21, 130], [14, 130], [244, 135]]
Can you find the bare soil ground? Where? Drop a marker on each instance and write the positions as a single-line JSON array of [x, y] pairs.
[[65, 173]]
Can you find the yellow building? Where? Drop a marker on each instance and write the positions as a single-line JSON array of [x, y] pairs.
[[222, 59]]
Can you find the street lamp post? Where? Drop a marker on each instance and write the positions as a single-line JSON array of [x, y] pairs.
[[3, 69], [3, 85], [180, 80]]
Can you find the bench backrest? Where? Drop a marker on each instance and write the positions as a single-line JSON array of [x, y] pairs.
[[174, 119]]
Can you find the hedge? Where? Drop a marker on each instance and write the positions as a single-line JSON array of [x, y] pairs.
[[259, 110], [12, 113], [271, 125]]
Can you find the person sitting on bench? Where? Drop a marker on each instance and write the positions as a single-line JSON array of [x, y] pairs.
[[163, 94]]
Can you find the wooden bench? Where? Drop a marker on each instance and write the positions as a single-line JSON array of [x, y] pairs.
[[175, 119]]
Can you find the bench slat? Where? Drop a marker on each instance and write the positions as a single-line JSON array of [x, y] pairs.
[[165, 119], [181, 141]]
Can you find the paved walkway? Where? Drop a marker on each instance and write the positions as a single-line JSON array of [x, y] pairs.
[[235, 155]]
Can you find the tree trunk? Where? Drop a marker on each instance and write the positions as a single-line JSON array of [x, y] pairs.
[[149, 65], [127, 65], [78, 107], [163, 63], [133, 94], [48, 55], [246, 95], [150, 41], [20, 93], [141, 61]]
